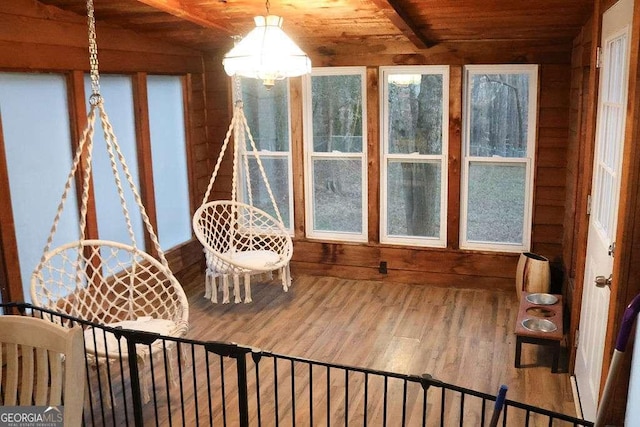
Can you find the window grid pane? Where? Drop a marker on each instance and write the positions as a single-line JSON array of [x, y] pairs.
[[334, 114], [496, 202], [500, 126], [415, 114], [337, 195], [169, 156], [117, 91], [36, 182], [413, 202], [267, 114], [276, 169], [337, 113], [498, 123], [413, 199]]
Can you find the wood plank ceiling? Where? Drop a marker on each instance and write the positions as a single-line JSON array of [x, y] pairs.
[[316, 25]]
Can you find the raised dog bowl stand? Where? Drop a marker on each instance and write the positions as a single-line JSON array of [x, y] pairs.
[[552, 339]]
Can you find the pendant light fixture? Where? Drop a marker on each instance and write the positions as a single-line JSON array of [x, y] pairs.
[[267, 53]]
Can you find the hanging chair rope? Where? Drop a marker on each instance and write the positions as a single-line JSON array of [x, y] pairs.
[[260, 167], [240, 239], [223, 150], [102, 280], [115, 155], [238, 127]]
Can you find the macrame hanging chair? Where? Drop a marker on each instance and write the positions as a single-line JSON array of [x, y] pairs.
[[239, 239], [102, 281]]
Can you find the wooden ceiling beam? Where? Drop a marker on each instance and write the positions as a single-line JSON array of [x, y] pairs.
[[403, 22], [181, 10]]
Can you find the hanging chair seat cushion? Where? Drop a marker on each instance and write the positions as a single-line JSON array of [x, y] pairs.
[[107, 341], [242, 237], [254, 260]]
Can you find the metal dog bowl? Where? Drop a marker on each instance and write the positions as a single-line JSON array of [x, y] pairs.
[[542, 299], [539, 325]]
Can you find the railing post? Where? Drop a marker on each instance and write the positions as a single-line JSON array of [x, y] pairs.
[[239, 353], [135, 382], [133, 338], [243, 393]]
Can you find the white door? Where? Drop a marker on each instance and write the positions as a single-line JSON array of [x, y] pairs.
[[612, 106]]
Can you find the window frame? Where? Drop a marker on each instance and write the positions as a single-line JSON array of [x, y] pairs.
[[251, 154], [386, 158], [310, 155], [529, 161]]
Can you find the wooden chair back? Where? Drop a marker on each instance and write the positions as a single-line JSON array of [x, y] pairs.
[[43, 364]]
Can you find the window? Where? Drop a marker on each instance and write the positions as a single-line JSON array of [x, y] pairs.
[[117, 92], [498, 150], [414, 134], [169, 157], [267, 113], [37, 142], [335, 153]]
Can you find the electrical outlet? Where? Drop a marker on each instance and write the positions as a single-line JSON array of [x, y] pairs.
[[383, 267]]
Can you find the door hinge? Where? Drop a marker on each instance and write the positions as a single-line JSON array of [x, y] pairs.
[[575, 338], [612, 249], [598, 57], [589, 204]]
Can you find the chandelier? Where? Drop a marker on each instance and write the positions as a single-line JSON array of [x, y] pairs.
[[266, 53]]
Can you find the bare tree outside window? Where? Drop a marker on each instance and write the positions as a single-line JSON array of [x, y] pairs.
[[499, 115], [267, 113], [414, 150], [334, 137], [497, 158]]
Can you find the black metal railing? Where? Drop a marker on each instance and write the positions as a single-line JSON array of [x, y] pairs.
[[151, 380]]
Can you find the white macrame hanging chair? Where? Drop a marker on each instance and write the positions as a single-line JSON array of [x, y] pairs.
[[102, 281], [239, 239]]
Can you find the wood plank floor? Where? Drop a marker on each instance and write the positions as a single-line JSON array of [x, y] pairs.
[[459, 336]]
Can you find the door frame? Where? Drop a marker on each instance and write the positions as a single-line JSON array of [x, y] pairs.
[[626, 275]]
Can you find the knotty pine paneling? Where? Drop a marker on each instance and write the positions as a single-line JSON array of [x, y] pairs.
[[210, 107], [444, 266], [346, 52], [295, 88], [552, 157], [548, 214], [455, 154], [579, 96], [406, 264], [41, 38], [37, 37], [550, 196], [373, 154], [218, 111]]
